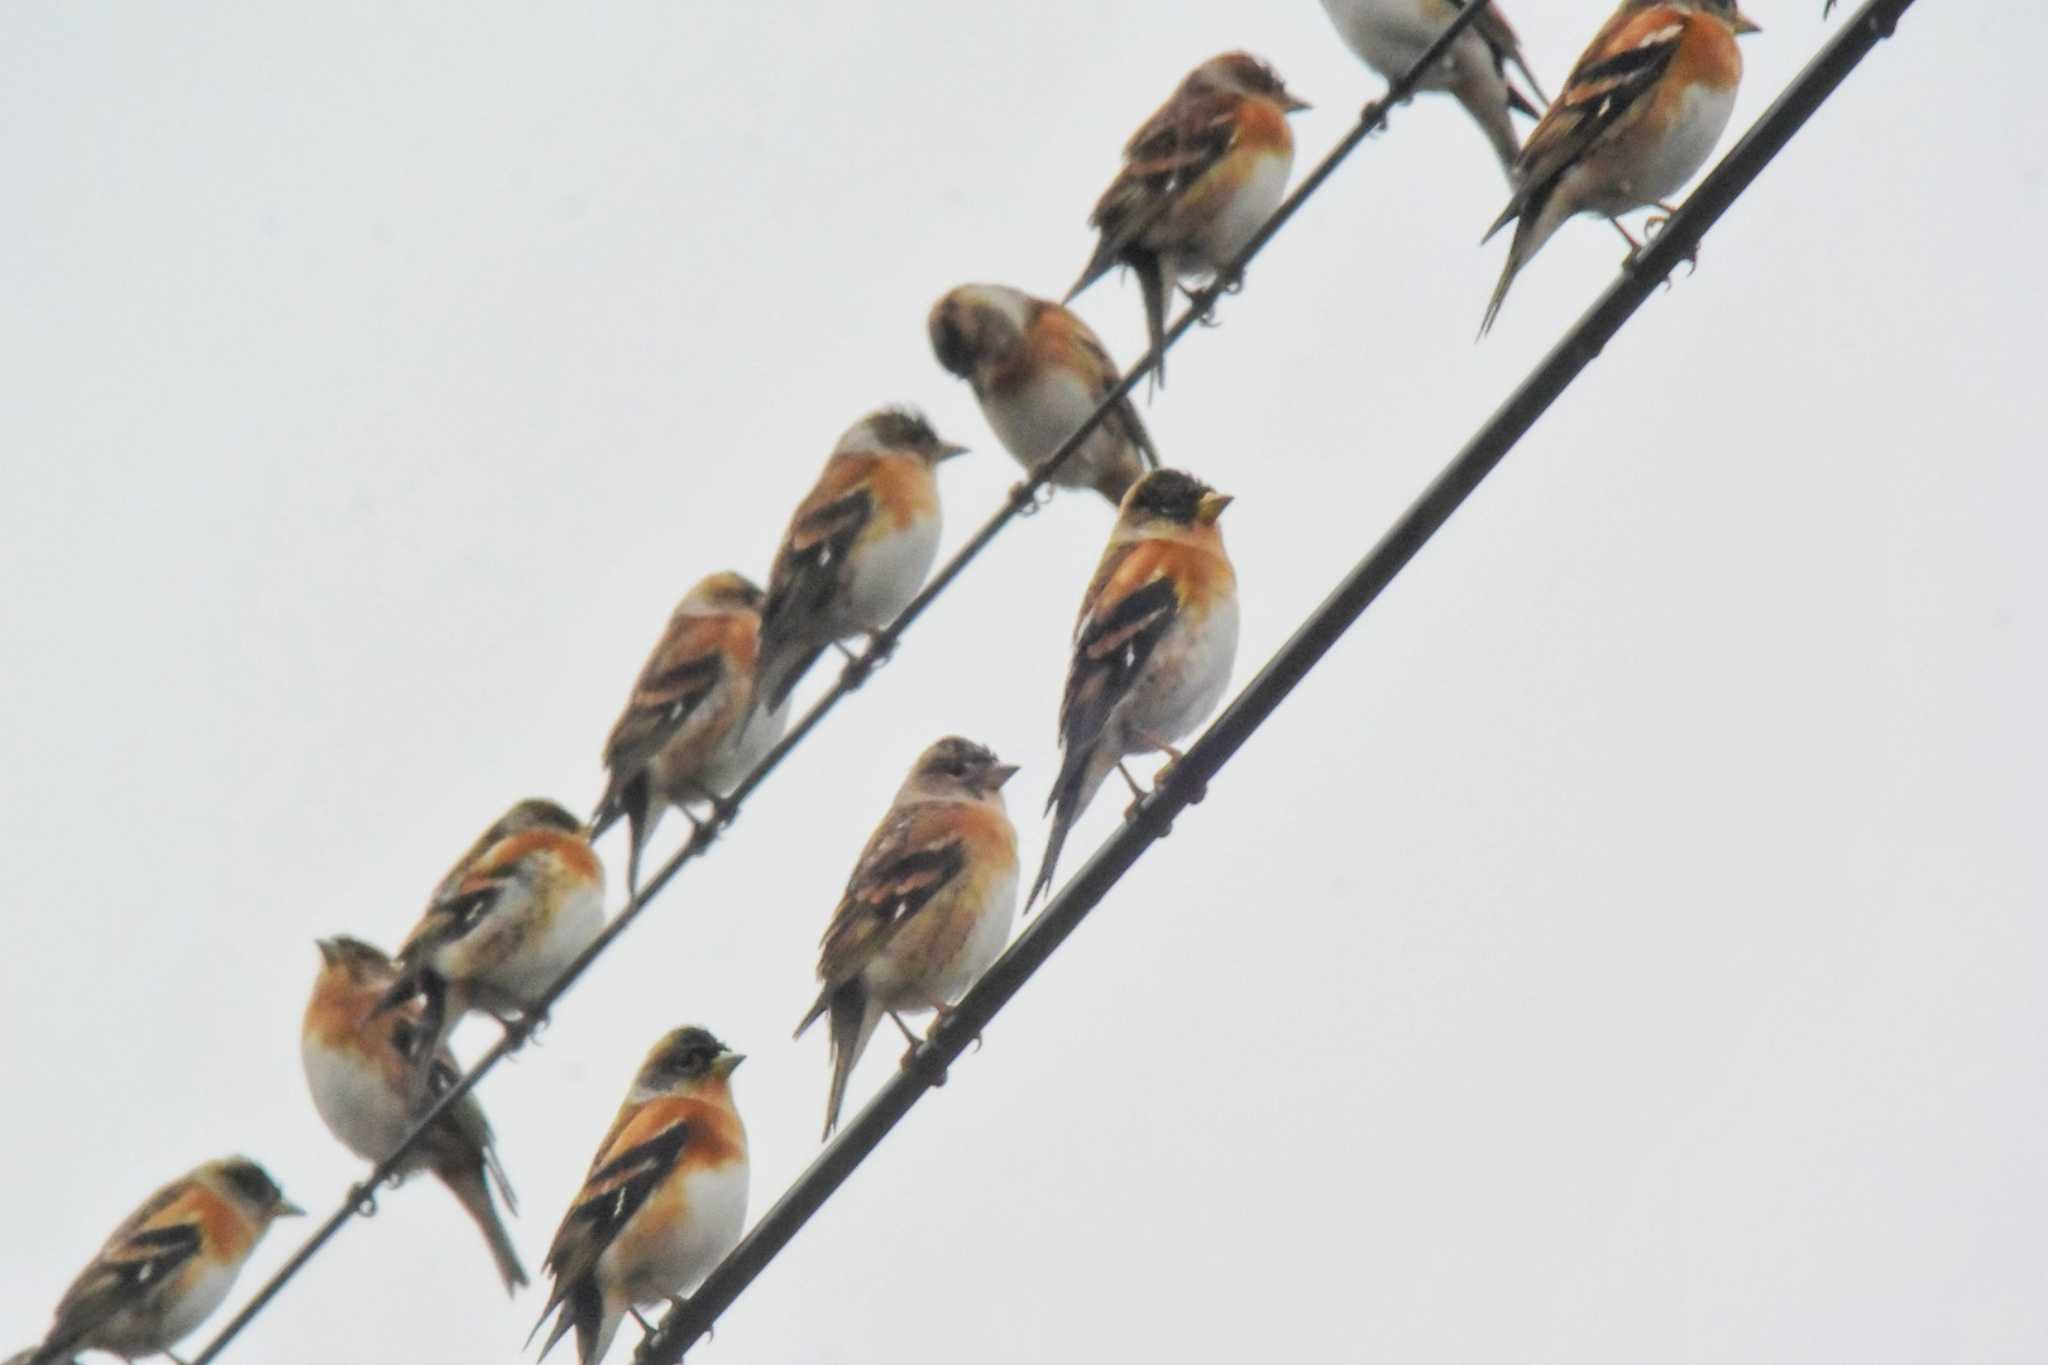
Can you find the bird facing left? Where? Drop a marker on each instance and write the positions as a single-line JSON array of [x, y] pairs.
[[359, 1064]]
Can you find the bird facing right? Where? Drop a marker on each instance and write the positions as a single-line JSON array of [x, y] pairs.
[[927, 909], [858, 548], [1153, 647], [1199, 179], [1039, 372], [665, 1199], [168, 1265], [1390, 36], [519, 912], [690, 730], [1637, 118]]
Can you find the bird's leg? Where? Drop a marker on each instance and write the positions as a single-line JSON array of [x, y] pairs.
[[1635, 247], [942, 1014], [846, 650], [1137, 790], [1173, 760], [1655, 223], [645, 1325], [904, 1029], [721, 809]]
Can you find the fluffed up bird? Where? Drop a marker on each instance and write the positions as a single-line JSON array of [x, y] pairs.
[[1153, 647], [514, 920], [168, 1266], [690, 731], [360, 1068], [665, 1199], [1039, 372], [1199, 180], [1390, 36], [858, 548], [927, 909], [1637, 118]]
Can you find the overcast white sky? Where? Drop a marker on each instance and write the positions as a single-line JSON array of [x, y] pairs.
[[1628, 947]]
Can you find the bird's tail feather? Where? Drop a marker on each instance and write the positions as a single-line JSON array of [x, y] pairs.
[[469, 1188], [854, 1017], [1081, 774]]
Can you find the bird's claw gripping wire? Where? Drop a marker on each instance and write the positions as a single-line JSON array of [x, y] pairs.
[[860, 667], [919, 1059], [362, 1199], [1028, 500]]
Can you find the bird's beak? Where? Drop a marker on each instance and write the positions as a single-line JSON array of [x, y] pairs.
[[287, 1209], [1745, 24], [1294, 105], [1211, 507], [727, 1064], [947, 450], [1000, 774]]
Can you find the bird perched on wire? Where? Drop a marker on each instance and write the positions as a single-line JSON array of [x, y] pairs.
[[1039, 373], [665, 1199], [927, 909], [524, 908], [681, 737], [1390, 36], [1199, 179], [359, 1068], [533, 813], [168, 1265], [858, 548], [1637, 118], [1153, 647]]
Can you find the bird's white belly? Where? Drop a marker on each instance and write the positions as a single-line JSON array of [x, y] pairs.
[[1390, 36], [205, 1291], [717, 1204], [985, 942], [1243, 214], [1661, 167], [887, 574], [738, 755], [1183, 681], [354, 1101], [1033, 422], [532, 970]]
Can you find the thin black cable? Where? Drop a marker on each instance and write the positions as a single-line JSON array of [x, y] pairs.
[[1152, 819], [1022, 498]]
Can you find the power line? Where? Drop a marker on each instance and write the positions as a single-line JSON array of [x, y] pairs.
[[1152, 819], [360, 1199]]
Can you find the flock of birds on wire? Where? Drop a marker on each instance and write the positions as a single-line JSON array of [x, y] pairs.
[[931, 901]]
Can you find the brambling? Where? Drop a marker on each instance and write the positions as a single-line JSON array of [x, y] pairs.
[[928, 908], [1153, 647], [1199, 179], [1039, 372], [1390, 36], [359, 1066], [681, 737], [1637, 118], [533, 813], [168, 1266], [858, 548], [514, 921], [665, 1199]]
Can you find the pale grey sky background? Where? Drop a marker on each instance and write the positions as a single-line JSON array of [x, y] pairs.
[[1629, 947]]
